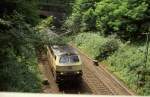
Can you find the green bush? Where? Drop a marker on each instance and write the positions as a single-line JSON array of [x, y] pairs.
[[19, 68], [27, 8], [127, 19], [123, 59], [108, 48], [96, 46], [126, 63], [45, 24], [82, 16], [90, 43], [88, 20]]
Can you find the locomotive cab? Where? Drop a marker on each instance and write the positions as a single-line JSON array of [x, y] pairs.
[[67, 64]]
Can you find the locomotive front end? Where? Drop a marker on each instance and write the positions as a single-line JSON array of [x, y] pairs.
[[70, 67]]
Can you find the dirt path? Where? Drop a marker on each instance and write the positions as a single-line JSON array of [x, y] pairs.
[[50, 85]]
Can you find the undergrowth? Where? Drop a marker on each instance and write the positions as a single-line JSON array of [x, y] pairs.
[[125, 60]]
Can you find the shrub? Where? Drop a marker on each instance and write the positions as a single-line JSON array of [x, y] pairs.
[[126, 63], [18, 68], [89, 20], [108, 48], [44, 24], [124, 59], [127, 19], [96, 46]]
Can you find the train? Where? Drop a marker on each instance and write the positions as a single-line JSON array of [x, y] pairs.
[[65, 62]]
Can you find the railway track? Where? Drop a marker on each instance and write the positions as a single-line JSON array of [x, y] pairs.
[[73, 87], [95, 84], [92, 77], [95, 80], [100, 81], [65, 87]]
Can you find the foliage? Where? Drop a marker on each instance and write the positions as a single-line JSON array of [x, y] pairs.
[[18, 57], [18, 62], [125, 60], [60, 9], [45, 24], [121, 16], [128, 19], [89, 20], [27, 8], [108, 48], [19, 74], [45, 34], [96, 46], [82, 16], [74, 20], [126, 63]]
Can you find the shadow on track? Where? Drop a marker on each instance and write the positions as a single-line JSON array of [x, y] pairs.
[[71, 86]]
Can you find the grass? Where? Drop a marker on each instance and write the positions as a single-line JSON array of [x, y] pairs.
[[90, 43], [125, 62]]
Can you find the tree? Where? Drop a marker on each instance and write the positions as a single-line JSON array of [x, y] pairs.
[[127, 19], [17, 51], [27, 8]]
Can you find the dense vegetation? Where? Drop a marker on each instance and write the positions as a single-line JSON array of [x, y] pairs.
[[59, 9], [116, 36], [123, 59], [23, 36], [19, 42], [97, 46], [126, 18], [113, 25]]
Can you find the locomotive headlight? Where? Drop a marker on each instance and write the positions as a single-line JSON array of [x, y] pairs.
[[61, 73], [78, 72]]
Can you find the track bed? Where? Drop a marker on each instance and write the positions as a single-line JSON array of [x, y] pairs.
[[95, 80]]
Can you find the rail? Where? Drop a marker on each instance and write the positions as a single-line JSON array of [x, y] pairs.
[[115, 86]]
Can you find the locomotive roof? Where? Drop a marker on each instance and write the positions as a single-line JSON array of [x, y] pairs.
[[65, 49]]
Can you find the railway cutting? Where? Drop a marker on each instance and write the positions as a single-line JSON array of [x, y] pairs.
[[100, 80], [95, 80]]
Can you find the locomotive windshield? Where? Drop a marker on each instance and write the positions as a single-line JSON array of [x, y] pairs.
[[74, 59], [66, 59]]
